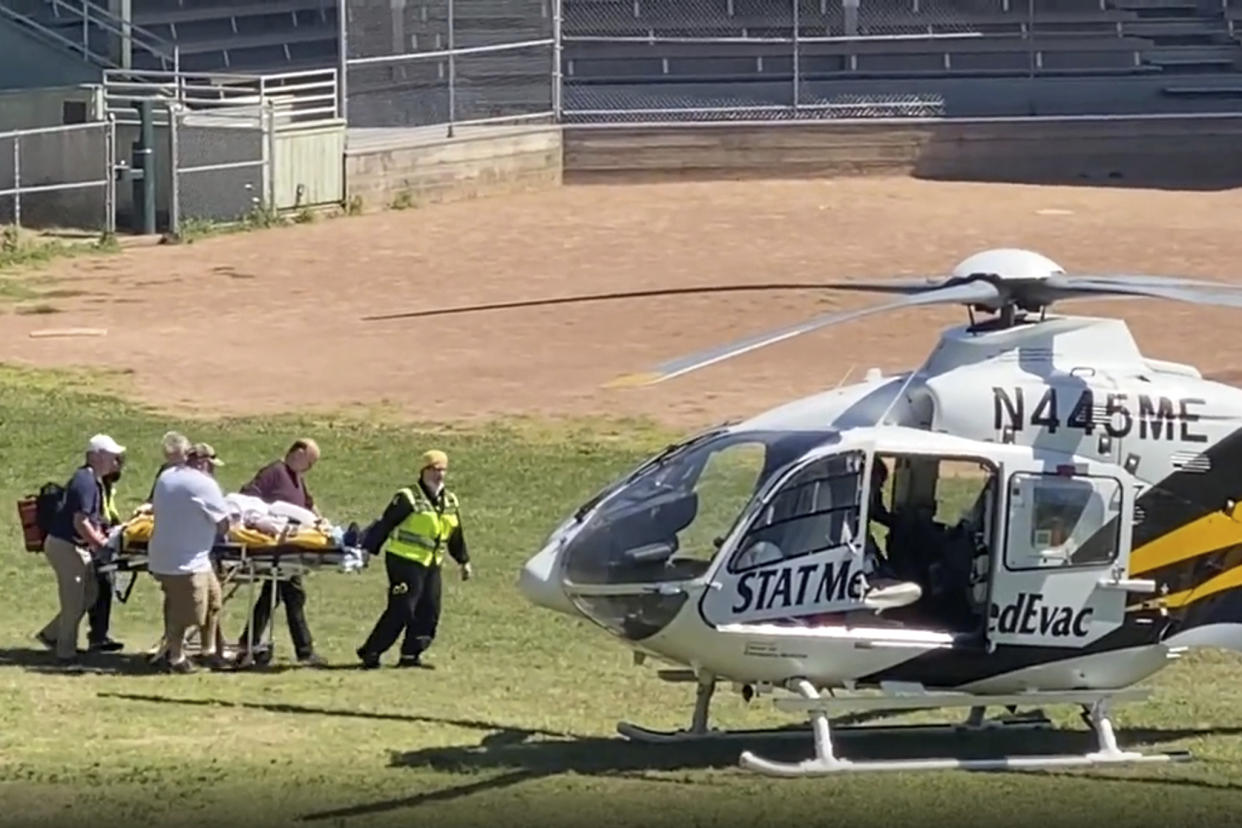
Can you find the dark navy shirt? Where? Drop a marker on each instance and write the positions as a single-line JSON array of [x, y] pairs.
[[82, 495]]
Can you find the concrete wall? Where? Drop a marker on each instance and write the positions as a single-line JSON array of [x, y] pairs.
[[45, 107], [1155, 152], [26, 62], [479, 162]]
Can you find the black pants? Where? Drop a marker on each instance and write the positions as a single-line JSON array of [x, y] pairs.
[[293, 594], [413, 607], [100, 613]]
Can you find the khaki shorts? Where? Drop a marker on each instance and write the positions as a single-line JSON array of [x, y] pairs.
[[189, 597]]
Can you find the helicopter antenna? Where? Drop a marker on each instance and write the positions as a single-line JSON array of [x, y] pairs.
[[896, 397]]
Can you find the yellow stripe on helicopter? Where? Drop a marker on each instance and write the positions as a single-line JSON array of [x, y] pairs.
[[1209, 533]]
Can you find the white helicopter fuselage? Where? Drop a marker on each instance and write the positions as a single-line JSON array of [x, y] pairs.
[[1059, 415]]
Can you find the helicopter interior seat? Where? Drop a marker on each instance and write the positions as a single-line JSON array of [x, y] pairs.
[[951, 601], [645, 541], [949, 562], [939, 560]]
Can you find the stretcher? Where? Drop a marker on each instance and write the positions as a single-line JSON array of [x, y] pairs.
[[251, 553]]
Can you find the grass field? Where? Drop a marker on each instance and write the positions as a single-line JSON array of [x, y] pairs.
[[517, 723]]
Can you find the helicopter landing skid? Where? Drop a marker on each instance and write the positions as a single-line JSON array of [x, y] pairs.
[[699, 731], [638, 733], [826, 762]]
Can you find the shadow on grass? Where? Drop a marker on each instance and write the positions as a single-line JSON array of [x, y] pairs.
[[43, 661], [311, 710], [509, 756], [518, 759], [134, 663]]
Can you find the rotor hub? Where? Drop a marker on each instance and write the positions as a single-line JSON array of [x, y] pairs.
[[1009, 263]]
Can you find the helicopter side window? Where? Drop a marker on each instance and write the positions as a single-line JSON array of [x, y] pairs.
[[1071, 521], [725, 485], [816, 509]]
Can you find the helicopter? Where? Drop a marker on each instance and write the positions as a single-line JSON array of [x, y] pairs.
[[1037, 514]]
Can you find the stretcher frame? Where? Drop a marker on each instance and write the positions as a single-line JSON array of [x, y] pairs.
[[235, 564]]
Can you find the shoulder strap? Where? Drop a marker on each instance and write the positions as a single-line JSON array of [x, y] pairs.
[[416, 499]]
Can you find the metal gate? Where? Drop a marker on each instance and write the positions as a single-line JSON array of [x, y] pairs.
[[220, 164], [59, 176]]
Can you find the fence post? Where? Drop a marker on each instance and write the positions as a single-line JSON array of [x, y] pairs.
[[127, 34], [269, 158], [797, 71], [342, 70], [557, 78], [110, 175], [17, 180], [452, 83], [174, 176], [1030, 34]]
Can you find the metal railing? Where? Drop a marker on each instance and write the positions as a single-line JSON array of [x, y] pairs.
[[300, 98], [61, 150], [82, 18]]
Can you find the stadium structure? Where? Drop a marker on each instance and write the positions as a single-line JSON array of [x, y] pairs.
[[368, 68]]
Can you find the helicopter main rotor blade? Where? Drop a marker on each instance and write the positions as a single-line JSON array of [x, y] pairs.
[[970, 293], [1156, 287], [601, 297]]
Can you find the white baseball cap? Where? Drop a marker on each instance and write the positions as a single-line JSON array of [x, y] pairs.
[[104, 443]]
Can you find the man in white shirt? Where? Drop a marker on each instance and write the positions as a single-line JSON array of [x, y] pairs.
[[190, 513]]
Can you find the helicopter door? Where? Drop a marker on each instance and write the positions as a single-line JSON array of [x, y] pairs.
[[1067, 533], [800, 553]]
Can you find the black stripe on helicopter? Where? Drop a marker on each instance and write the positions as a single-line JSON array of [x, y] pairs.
[[960, 666], [1147, 416]]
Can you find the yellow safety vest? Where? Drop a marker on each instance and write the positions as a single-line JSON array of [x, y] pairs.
[[109, 506], [423, 535]]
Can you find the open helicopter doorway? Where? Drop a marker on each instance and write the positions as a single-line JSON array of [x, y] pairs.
[[932, 522], [855, 539]]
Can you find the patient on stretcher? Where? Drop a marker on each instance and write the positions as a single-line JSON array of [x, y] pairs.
[[257, 525]]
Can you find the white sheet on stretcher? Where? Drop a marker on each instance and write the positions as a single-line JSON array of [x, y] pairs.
[[244, 505]]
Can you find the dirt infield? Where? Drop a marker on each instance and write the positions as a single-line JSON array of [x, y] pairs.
[[269, 321]]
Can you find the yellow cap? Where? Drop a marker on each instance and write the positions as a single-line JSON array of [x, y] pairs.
[[434, 458]]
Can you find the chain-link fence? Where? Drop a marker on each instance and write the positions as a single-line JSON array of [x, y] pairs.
[[59, 177], [220, 166], [674, 60], [445, 63]]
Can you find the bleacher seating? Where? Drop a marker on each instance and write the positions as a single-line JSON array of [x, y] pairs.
[[936, 38], [229, 35], [663, 42]]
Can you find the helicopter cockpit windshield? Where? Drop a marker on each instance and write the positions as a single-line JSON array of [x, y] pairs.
[[666, 522]]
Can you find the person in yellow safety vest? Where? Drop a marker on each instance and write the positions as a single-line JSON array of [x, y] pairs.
[[419, 525], [100, 613]]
